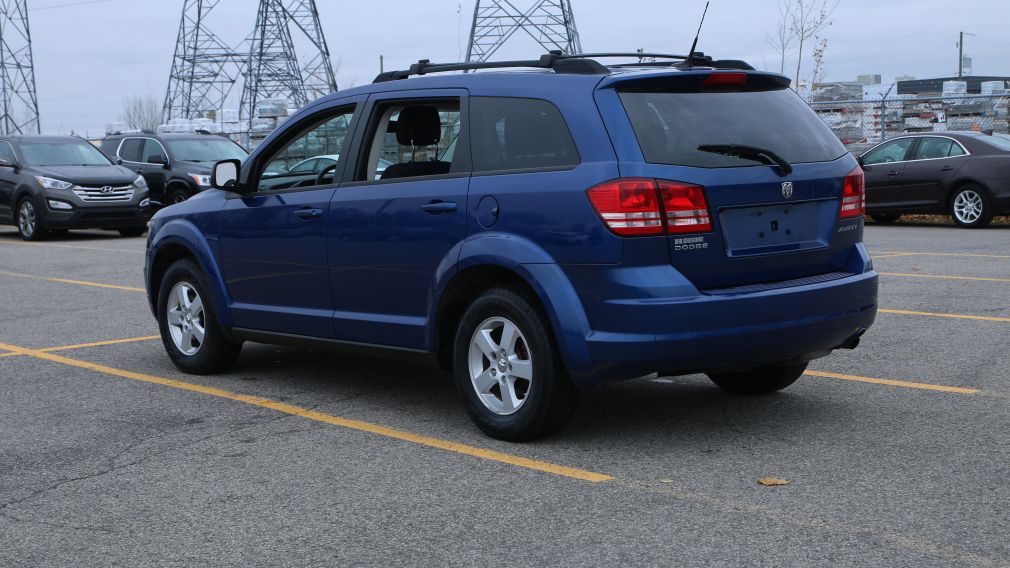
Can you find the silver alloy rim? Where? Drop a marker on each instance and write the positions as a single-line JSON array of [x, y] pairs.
[[501, 366], [187, 321], [26, 219], [968, 206]]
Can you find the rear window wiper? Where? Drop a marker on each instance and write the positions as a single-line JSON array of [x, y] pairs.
[[749, 153]]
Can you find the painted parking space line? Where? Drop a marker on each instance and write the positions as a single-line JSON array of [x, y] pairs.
[[75, 282], [314, 415], [950, 316], [891, 254], [86, 345], [944, 277], [893, 383], [80, 247]]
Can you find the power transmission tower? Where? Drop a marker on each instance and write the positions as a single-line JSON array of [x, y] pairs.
[[549, 22], [204, 70], [20, 104], [273, 71]]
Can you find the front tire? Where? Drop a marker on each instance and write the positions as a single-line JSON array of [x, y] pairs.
[[190, 330], [885, 218], [971, 207], [28, 221], [132, 232], [177, 195], [764, 380], [508, 371]]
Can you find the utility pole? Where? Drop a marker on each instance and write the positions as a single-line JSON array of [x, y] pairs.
[[549, 22], [960, 57], [19, 102], [204, 69]]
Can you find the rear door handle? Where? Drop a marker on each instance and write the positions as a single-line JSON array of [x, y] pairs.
[[439, 207], [309, 213]]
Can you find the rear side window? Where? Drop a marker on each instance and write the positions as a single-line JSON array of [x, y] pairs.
[[519, 134], [670, 126], [130, 149], [931, 148]]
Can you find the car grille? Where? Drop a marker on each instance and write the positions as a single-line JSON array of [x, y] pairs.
[[104, 194]]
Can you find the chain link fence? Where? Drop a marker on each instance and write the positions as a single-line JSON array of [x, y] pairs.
[[862, 123]]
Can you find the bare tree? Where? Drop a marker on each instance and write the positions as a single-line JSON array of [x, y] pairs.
[[817, 76], [807, 20], [142, 112], [782, 40]]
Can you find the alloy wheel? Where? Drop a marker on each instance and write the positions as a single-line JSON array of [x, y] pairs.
[[968, 206], [27, 219], [500, 366], [187, 320]]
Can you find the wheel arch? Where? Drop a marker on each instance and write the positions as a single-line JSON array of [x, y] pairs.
[[178, 240]]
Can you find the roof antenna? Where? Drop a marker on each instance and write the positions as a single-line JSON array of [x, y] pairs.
[[694, 46]]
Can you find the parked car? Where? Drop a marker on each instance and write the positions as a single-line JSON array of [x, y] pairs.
[[597, 223], [962, 174], [56, 183], [176, 166]]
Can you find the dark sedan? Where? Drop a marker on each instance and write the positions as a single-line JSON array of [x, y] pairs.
[[962, 174]]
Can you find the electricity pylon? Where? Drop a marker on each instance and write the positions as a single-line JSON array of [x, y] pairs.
[[19, 101], [549, 22], [204, 70]]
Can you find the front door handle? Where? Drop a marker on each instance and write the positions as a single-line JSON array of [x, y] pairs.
[[309, 213], [892, 174], [439, 207], [946, 168]]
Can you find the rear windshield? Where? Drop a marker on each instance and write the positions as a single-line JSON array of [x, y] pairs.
[[671, 126]]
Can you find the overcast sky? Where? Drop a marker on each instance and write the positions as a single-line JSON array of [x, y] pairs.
[[91, 54]]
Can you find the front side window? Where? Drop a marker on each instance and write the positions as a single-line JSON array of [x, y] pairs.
[[412, 140], [325, 139], [7, 153], [46, 153], [152, 148], [519, 134], [893, 151], [931, 148]]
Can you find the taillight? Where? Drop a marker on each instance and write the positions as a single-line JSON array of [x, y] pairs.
[[628, 206], [639, 206], [724, 80], [853, 195], [686, 208]]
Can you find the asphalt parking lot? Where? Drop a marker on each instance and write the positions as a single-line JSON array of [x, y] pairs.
[[896, 453]]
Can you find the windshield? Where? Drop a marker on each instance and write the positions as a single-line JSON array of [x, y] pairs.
[[671, 126], [62, 154], [1001, 141], [206, 150]]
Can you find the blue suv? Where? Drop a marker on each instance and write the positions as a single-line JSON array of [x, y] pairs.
[[535, 233]]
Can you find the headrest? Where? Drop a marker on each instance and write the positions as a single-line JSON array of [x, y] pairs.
[[419, 125]]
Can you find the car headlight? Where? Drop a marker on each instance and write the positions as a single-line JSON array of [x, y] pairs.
[[201, 180], [50, 183], [140, 182]]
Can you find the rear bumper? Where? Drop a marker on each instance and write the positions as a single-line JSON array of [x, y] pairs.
[[668, 326]]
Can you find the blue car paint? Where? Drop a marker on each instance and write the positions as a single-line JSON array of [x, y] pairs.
[[619, 307]]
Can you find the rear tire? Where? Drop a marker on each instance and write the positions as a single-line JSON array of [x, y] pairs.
[[190, 330], [885, 218], [764, 380], [538, 396], [29, 222], [132, 232], [971, 207]]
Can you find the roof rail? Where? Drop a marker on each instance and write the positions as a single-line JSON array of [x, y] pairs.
[[559, 62]]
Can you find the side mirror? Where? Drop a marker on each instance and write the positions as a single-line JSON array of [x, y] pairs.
[[225, 175], [862, 163], [8, 164], [157, 159], [119, 161]]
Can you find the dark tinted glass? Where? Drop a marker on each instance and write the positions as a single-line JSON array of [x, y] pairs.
[[931, 148], [671, 126], [893, 151], [130, 149], [518, 134], [152, 148]]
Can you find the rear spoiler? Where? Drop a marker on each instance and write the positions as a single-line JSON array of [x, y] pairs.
[[698, 81]]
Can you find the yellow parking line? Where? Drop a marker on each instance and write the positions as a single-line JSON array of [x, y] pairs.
[[891, 254], [103, 249], [100, 343], [75, 282], [952, 316], [944, 277], [893, 383], [954, 254], [317, 416]]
